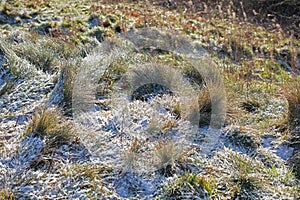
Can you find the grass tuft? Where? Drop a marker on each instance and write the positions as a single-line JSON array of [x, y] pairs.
[[292, 94], [48, 122], [6, 194], [190, 184], [167, 154], [69, 72], [131, 156]]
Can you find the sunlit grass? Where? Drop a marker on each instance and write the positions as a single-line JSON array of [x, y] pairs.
[[292, 94], [247, 56], [190, 184], [49, 123]]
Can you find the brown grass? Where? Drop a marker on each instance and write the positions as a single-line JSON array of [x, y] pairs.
[[292, 94], [48, 122], [167, 154]]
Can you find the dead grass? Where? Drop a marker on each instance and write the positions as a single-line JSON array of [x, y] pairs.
[[8, 87], [167, 155], [38, 52], [5, 194], [130, 157], [49, 123], [251, 83], [292, 93], [49, 55], [69, 71], [43, 122], [90, 173], [205, 107], [169, 81]]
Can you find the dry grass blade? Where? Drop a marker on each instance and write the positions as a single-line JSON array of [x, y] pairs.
[[43, 122], [167, 154], [50, 124], [292, 94]]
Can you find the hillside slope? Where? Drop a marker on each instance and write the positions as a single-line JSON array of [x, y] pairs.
[[148, 100]]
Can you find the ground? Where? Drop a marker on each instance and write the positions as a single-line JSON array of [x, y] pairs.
[[148, 100]]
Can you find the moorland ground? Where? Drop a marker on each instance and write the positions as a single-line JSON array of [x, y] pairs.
[[140, 146]]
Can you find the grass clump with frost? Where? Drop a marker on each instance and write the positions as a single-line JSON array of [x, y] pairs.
[[168, 155], [67, 76], [292, 94], [6, 194], [48, 123], [88, 176], [190, 185], [252, 67], [246, 177]]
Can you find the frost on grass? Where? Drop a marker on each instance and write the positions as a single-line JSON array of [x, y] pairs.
[[144, 123], [245, 177], [97, 64], [132, 131], [25, 88]]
